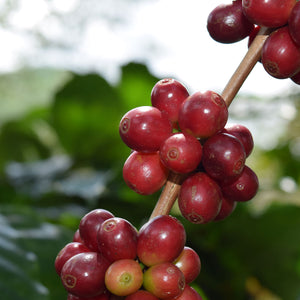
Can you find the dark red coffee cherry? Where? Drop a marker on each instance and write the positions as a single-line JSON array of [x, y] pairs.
[[117, 239], [227, 208], [243, 134], [203, 114], [223, 157], [271, 14], [244, 188], [294, 23], [144, 172], [161, 239], [104, 296], [144, 128], [189, 263], [167, 95], [89, 226], [141, 295], [296, 78], [83, 274], [200, 198], [280, 54], [67, 252], [181, 153], [227, 23]]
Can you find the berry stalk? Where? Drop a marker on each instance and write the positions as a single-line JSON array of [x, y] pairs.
[[172, 186]]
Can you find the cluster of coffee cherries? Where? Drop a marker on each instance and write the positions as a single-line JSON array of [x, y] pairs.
[[109, 259], [186, 134], [280, 56]]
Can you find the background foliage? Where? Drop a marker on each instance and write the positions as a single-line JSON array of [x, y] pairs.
[[61, 156]]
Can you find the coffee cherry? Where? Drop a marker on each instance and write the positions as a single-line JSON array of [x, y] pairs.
[[167, 95], [160, 240], [164, 280], [227, 23], [89, 226], [83, 274], [188, 294], [223, 157], [203, 114], [189, 263], [77, 237], [199, 198], [141, 295], [103, 296], [124, 277], [243, 134], [67, 252], [117, 239], [294, 23], [181, 153], [144, 172], [244, 188], [280, 55], [144, 128], [274, 13], [227, 207]]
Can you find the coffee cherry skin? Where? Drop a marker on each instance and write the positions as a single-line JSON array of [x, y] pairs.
[[243, 134], [227, 23], [223, 157], [227, 208], [280, 55], [271, 14], [189, 263], [244, 188], [203, 114], [124, 277], [67, 252], [161, 239], [181, 153], [294, 23], [144, 172], [103, 296], [141, 295], [167, 95], [144, 128], [83, 274], [296, 78], [76, 237], [188, 294], [89, 226], [164, 280], [199, 198], [117, 239]]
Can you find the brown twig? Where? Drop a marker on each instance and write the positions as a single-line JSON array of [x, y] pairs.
[[172, 187]]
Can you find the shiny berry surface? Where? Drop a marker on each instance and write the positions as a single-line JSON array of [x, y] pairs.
[[144, 128], [181, 153], [203, 114], [167, 95], [227, 23], [89, 225], [117, 239], [160, 240], [124, 277], [274, 13], [199, 198], [294, 23], [189, 293], [144, 172], [83, 274], [243, 134], [244, 188], [189, 263], [280, 55], [164, 280], [223, 157], [141, 295], [67, 252]]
